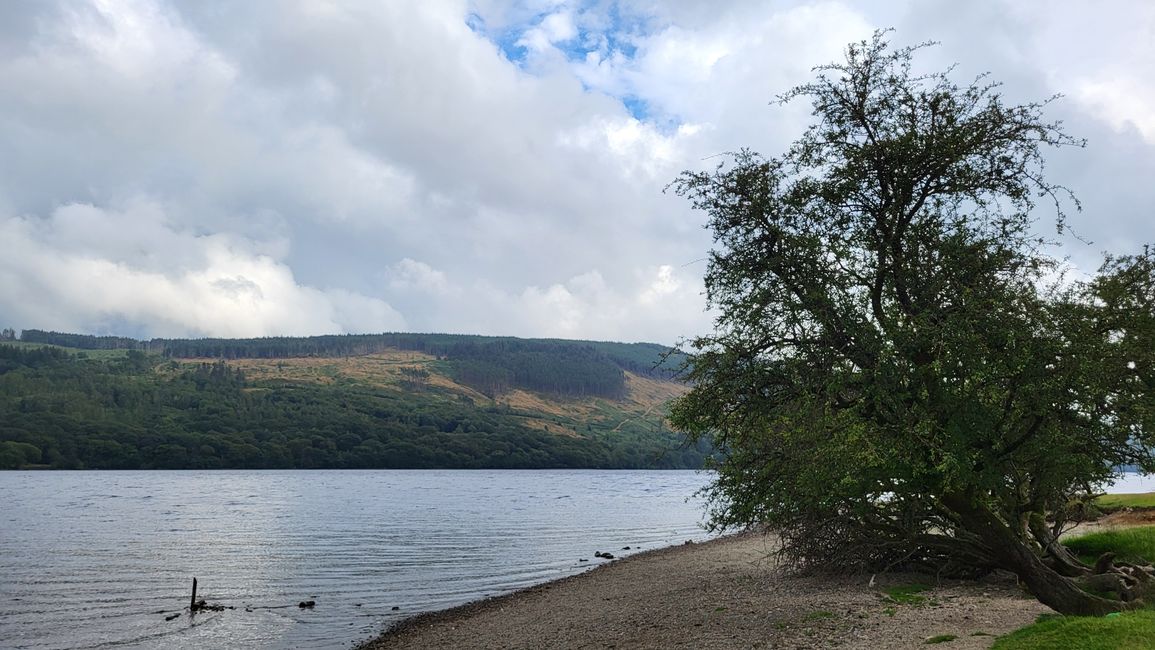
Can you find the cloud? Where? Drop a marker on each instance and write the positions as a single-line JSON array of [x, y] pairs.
[[273, 166], [85, 269], [411, 275]]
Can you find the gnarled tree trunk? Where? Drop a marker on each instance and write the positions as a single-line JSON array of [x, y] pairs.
[[1062, 560], [1056, 591]]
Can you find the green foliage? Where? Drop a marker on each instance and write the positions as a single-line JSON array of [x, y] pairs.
[[135, 411], [1125, 631], [893, 379], [1131, 544], [558, 368], [941, 638], [82, 341]]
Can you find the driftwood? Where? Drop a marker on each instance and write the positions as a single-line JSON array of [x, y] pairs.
[[195, 605]]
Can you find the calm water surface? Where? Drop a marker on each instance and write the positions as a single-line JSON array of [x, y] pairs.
[[99, 559]]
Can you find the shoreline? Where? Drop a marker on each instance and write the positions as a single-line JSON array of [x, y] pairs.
[[722, 593], [483, 605]]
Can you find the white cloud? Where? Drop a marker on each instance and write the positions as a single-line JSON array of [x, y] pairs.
[[210, 284], [411, 275], [1124, 103], [356, 166], [663, 285]]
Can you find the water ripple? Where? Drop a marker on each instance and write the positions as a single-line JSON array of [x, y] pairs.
[[99, 559]]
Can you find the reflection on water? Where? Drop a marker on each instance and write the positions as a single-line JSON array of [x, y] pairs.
[[99, 559]]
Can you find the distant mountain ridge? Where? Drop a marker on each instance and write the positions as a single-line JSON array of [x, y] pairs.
[[490, 364], [429, 401]]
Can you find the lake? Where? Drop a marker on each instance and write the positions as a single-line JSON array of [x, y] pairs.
[[100, 559]]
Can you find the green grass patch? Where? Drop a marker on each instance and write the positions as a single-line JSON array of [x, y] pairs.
[[941, 638], [1118, 501], [1127, 631], [819, 615], [1129, 544], [907, 594]]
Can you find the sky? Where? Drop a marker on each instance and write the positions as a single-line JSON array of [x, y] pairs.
[[277, 167]]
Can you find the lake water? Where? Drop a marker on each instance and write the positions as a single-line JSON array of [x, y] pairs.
[[99, 559]]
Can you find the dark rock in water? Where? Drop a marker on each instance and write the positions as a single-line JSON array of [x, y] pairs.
[[172, 616], [307, 604], [688, 542], [582, 559], [356, 604], [396, 608], [625, 548], [204, 606], [604, 556]]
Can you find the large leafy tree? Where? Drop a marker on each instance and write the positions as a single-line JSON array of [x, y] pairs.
[[900, 373]]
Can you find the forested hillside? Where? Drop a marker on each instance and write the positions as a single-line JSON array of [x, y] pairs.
[[491, 365], [116, 408]]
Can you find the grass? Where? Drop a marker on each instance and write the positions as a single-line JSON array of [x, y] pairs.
[[941, 638], [1129, 544], [1118, 501], [1124, 631], [907, 594], [1127, 631]]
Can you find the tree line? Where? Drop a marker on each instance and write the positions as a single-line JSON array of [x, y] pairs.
[[491, 365]]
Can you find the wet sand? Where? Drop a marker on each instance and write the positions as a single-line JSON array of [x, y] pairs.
[[726, 593]]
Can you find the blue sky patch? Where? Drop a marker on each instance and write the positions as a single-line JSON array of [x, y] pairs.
[[608, 34]]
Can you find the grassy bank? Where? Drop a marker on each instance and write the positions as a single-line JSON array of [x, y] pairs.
[[1123, 631], [1126, 631], [1112, 502]]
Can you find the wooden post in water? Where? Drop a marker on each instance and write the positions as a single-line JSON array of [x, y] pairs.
[[192, 605]]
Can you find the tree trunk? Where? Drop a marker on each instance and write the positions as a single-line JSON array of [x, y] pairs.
[[1065, 562], [1053, 590]]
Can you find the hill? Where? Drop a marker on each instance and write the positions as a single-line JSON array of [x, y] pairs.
[[489, 364], [335, 402]]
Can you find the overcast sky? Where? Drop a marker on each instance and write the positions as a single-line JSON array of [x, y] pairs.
[[203, 168]]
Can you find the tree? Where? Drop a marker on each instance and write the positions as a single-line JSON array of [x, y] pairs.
[[896, 376]]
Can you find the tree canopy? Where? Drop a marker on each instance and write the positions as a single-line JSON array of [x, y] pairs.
[[901, 373]]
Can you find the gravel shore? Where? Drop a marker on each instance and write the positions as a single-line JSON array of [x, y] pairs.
[[726, 593]]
